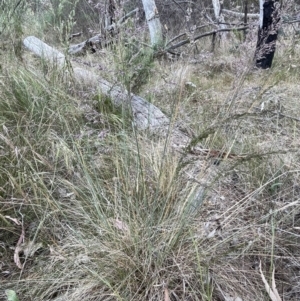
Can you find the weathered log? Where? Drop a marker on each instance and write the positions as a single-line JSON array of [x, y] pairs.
[[44, 51], [145, 115]]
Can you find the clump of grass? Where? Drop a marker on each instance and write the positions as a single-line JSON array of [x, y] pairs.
[[111, 208]]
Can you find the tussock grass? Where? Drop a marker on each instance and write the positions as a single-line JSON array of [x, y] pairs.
[[111, 213]]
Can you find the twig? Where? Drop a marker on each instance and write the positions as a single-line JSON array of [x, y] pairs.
[[78, 34], [183, 34], [291, 22]]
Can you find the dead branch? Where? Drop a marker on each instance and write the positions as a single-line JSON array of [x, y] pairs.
[[291, 22], [187, 41], [122, 20], [237, 14], [184, 34], [74, 35]]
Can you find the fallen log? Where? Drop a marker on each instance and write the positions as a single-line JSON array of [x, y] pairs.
[[145, 115]]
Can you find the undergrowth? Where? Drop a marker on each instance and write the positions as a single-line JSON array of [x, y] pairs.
[[91, 208]]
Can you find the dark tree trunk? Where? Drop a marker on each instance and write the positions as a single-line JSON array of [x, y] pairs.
[[267, 34], [245, 18]]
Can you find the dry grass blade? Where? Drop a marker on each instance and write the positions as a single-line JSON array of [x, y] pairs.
[[274, 289], [166, 293], [13, 219], [273, 293]]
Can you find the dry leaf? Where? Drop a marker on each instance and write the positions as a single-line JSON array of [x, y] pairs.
[[273, 293], [17, 258], [28, 249], [121, 225], [229, 298], [274, 289]]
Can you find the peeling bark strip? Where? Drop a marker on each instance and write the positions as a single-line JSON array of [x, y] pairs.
[[267, 34]]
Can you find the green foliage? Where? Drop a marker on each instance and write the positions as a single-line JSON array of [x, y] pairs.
[[11, 25], [117, 117], [137, 63]]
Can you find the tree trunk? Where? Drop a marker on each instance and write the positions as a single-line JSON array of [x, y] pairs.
[[218, 13], [153, 22], [219, 19], [261, 13], [245, 18], [267, 34]]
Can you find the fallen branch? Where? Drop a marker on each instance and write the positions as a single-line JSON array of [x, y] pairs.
[[186, 34], [237, 14], [75, 35], [83, 46], [291, 21], [187, 41]]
